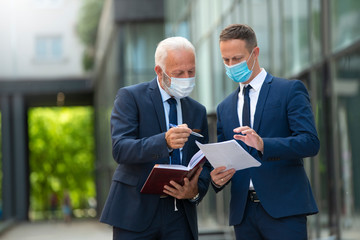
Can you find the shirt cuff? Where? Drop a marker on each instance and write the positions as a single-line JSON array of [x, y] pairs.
[[195, 199], [213, 183]]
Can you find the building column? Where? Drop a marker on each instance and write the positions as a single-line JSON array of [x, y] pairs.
[[8, 205], [21, 189]]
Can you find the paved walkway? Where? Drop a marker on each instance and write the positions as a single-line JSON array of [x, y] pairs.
[[76, 230], [93, 230]]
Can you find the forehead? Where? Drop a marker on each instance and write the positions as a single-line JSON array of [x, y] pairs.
[[180, 59], [230, 48]]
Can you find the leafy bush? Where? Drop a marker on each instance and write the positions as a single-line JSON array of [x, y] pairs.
[[61, 147]]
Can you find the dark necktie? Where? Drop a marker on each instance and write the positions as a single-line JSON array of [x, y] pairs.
[[175, 155], [246, 107]]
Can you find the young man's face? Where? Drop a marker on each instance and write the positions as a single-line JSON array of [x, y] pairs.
[[234, 51]]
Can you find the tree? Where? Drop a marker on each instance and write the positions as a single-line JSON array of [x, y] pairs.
[[88, 23], [61, 144]]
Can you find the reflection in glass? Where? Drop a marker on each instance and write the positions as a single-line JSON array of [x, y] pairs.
[[296, 36], [346, 90], [317, 224], [345, 19], [140, 41], [315, 31], [259, 17]]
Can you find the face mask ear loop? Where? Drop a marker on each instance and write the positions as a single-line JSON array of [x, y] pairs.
[[166, 74], [254, 60]]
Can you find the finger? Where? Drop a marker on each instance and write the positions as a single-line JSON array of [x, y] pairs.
[[169, 193], [230, 174], [175, 185], [179, 138], [240, 129], [195, 178], [184, 125], [230, 171], [169, 189], [219, 169], [225, 174], [240, 137], [224, 179], [181, 129], [186, 182], [214, 173], [248, 131], [178, 145]]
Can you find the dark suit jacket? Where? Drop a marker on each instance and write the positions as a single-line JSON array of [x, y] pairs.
[[138, 129], [284, 119]]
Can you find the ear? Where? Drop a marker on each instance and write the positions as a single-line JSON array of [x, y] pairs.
[[256, 52], [158, 71]]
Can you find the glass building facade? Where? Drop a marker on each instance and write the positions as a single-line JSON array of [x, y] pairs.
[[316, 41]]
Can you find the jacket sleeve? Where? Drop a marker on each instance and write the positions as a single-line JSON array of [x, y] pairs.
[[204, 178], [128, 148], [303, 140]]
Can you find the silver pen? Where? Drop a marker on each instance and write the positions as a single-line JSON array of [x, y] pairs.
[[192, 132]]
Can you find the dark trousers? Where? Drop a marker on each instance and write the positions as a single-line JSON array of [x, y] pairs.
[[167, 225], [257, 224]]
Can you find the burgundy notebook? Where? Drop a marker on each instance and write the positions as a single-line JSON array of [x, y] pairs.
[[162, 174]]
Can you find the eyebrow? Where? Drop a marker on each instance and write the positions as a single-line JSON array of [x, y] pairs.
[[182, 70], [236, 56]]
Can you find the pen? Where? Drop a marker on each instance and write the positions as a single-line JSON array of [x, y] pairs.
[[192, 132]]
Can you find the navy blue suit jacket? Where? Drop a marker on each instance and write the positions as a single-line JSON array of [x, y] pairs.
[[138, 129], [284, 120]]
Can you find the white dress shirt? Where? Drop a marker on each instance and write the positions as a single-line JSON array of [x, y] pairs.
[[254, 92], [165, 96]]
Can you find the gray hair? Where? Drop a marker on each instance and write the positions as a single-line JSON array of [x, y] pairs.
[[171, 43]]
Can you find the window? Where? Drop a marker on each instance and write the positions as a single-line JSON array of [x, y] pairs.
[[48, 48], [345, 17]]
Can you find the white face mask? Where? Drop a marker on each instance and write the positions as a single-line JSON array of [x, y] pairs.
[[179, 87]]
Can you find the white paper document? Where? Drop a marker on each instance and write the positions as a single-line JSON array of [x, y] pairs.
[[229, 154]]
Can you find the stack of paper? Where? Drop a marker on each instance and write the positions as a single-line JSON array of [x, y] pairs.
[[229, 154]]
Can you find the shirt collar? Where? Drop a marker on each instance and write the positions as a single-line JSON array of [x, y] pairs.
[[257, 82], [164, 95]]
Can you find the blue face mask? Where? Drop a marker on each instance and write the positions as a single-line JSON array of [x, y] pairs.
[[239, 72]]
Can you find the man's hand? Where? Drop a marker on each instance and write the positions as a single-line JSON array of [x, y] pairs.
[[249, 137], [188, 191], [176, 137], [220, 177]]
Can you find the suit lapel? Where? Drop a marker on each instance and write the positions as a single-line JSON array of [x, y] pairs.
[[264, 91], [158, 104], [234, 117]]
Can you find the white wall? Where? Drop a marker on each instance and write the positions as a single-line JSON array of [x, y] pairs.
[[22, 22]]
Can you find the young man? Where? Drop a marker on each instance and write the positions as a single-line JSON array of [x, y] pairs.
[[273, 120]]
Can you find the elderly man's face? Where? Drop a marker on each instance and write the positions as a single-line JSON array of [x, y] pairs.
[[180, 63]]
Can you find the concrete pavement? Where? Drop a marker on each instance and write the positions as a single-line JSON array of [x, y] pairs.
[[58, 230], [80, 230]]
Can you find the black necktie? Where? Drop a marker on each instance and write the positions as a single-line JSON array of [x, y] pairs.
[[246, 107], [175, 155]]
